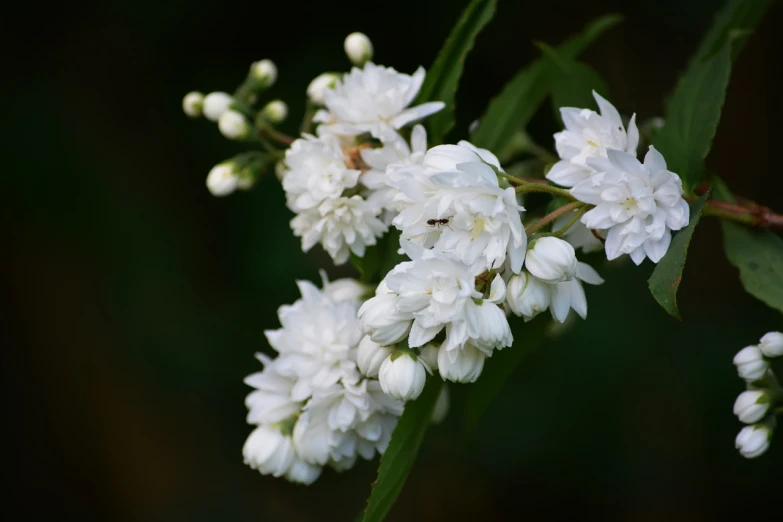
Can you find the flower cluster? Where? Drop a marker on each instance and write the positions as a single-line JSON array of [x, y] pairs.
[[335, 180], [311, 405], [756, 406], [637, 204]]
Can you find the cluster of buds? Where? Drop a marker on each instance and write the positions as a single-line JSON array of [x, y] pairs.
[[239, 118], [759, 404]]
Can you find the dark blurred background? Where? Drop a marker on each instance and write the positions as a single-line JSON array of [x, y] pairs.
[[137, 300]]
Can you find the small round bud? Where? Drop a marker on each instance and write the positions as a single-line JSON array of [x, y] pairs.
[[751, 364], [527, 296], [269, 451], [265, 72], [233, 125], [429, 355], [275, 111], [215, 104], [316, 91], [771, 344], [192, 104], [753, 441], [751, 406], [358, 48], [460, 365], [441, 408], [552, 260], [402, 375], [371, 355], [222, 179]]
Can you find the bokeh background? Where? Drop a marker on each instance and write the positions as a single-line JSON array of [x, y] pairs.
[[137, 300]]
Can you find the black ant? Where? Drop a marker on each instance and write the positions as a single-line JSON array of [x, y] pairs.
[[438, 222]]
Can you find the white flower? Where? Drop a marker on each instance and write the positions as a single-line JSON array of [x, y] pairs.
[[374, 99], [487, 325], [461, 210], [275, 111], [441, 408], [302, 472], [265, 72], [589, 135], [753, 441], [233, 125], [579, 236], [750, 363], [771, 344], [751, 406], [316, 91], [570, 294], [342, 225], [639, 204], [461, 365], [551, 260], [384, 161], [358, 48], [382, 321], [269, 451], [402, 375], [317, 342], [345, 289], [316, 172], [223, 179], [215, 104], [429, 355], [527, 296], [192, 104], [371, 355], [270, 401]]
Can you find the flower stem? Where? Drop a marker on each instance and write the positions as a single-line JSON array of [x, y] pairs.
[[525, 187], [266, 130], [753, 215], [544, 221], [577, 216]]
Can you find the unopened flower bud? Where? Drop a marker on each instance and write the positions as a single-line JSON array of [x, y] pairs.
[[371, 355], [215, 104], [358, 48], [771, 344], [402, 375], [233, 125], [316, 91], [751, 406], [222, 179], [381, 320], [265, 72], [275, 111], [460, 365], [750, 363], [753, 441], [441, 408], [429, 355], [527, 296], [552, 260], [268, 451], [193, 103]]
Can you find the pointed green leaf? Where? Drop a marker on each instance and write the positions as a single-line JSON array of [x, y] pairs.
[[443, 77], [693, 115], [758, 254], [737, 15], [573, 82], [499, 368], [399, 457], [665, 279], [512, 109]]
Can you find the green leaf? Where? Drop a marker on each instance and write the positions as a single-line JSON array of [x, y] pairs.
[[692, 116], [443, 77], [758, 254], [380, 258], [665, 279], [499, 368], [399, 457], [737, 15], [512, 109], [572, 81]]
